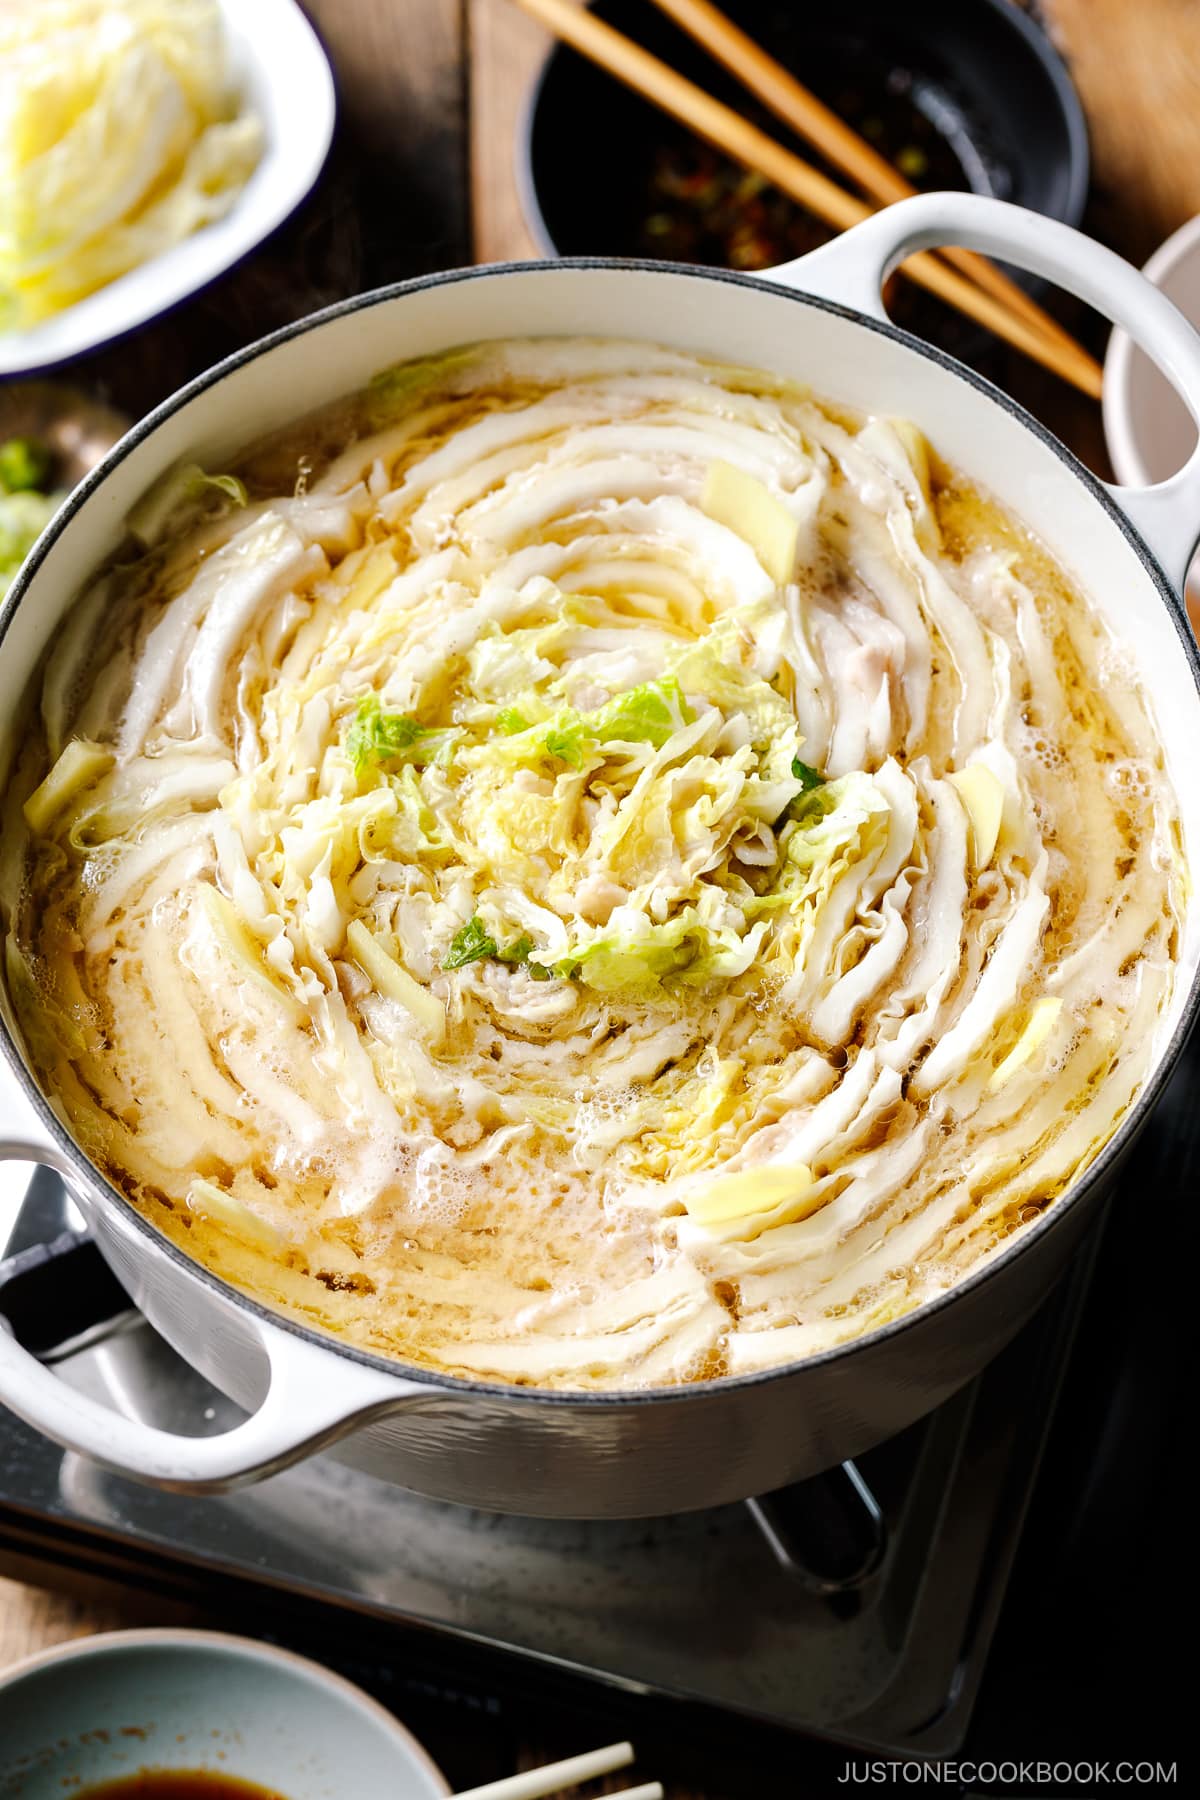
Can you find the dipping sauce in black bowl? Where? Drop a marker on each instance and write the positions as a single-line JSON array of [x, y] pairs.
[[955, 93]]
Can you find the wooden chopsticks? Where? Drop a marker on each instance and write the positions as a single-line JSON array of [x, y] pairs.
[[810, 118], [728, 131]]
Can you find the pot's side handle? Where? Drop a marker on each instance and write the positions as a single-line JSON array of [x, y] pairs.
[[852, 269], [314, 1397], [24, 1134]]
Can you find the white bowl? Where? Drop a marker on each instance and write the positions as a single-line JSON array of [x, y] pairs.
[[287, 79], [102, 1708], [1147, 428]]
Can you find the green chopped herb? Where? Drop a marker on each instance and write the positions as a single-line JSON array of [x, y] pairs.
[[474, 942], [376, 737], [813, 801], [518, 951], [25, 464], [469, 945]]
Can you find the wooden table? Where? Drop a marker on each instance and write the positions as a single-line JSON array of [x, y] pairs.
[[407, 180]]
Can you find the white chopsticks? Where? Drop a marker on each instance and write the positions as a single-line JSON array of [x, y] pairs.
[[556, 1776]]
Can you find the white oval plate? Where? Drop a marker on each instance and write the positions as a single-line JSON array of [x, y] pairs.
[[287, 79]]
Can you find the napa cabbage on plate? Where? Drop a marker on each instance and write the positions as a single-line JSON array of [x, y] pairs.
[[121, 133]]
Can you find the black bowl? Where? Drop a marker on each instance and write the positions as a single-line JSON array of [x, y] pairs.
[[981, 82]]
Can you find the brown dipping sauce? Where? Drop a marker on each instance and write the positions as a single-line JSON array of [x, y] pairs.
[[699, 205], [178, 1784]]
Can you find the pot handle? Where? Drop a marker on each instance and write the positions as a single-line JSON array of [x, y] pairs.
[[25, 1133], [313, 1398], [853, 267]]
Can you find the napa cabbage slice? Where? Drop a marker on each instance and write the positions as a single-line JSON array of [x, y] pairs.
[[243, 950], [376, 739], [80, 766], [651, 713], [706, 941], [838, 824], [982, 794], [176, 494], [390, 978], [1043, 1017], [743, 1193], [392, 391], [208, 1201], [746, 506]]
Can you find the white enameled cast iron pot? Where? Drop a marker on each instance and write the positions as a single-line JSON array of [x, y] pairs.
[[668, 1450]]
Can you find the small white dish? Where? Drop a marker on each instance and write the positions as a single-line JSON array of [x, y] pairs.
[[100, 1709], [286, 77], [1147, 428]]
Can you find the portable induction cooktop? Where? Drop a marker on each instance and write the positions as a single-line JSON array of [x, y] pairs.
[[797, 1608], [856, 1609]]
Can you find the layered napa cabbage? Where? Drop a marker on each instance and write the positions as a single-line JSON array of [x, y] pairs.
[[613, 873], [122, 132]]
